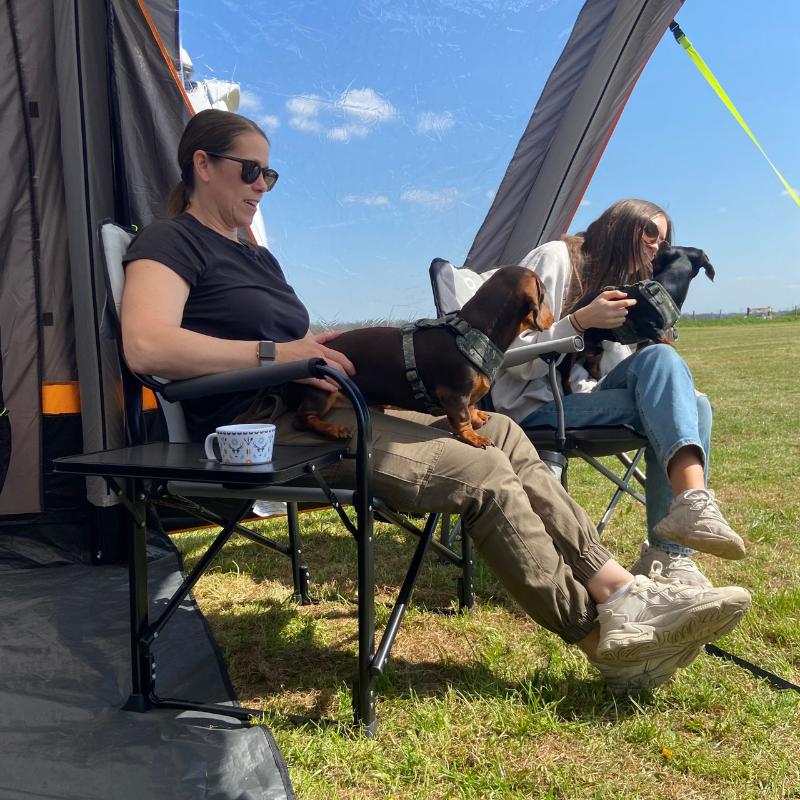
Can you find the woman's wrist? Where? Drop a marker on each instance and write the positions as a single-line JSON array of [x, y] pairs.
[[575, 322]]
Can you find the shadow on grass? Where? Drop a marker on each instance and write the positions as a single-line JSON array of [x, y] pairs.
[[305, 657], [278, 652]]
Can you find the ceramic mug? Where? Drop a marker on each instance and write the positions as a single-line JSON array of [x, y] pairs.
[[248, 443]]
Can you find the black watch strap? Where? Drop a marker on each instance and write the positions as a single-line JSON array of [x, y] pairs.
[[266, 351]]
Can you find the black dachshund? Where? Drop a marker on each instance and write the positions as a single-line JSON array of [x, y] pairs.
[[674, 268]]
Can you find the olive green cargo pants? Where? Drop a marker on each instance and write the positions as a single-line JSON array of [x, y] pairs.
[[540, 543]]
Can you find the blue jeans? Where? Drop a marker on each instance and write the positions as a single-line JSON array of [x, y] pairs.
[[653, 394]]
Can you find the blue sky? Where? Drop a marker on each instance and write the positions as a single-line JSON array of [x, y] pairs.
[[393, 121]]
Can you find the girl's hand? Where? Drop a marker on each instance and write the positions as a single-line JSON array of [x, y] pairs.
[[608, 310], [311, 346]]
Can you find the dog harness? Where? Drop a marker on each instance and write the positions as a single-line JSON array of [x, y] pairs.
[[474, 345]]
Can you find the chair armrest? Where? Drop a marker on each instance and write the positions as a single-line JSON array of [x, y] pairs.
[[242, 380], [521, 355]]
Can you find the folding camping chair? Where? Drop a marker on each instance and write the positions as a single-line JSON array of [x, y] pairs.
[[176, 474], [452, 287]]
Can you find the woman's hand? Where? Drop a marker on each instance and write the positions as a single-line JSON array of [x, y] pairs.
[[608, 310], [313, 346]]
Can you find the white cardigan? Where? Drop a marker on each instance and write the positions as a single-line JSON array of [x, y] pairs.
[[519, 391]]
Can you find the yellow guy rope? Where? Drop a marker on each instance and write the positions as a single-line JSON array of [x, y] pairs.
[[680, 37]]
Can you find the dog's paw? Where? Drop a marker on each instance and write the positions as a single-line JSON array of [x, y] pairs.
[[478, 418], [326, 429], [339, 432], [477, 441]]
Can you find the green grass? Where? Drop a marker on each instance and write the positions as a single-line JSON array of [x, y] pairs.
[[487, 705]]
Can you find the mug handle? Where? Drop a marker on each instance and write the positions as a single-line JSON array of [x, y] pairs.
[[209, 447]]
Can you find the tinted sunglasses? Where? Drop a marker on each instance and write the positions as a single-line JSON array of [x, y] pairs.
[[651, 232], [251, 170]]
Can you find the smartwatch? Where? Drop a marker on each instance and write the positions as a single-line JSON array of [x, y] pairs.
[[266, 351]]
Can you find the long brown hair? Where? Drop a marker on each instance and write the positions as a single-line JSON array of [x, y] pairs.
[[213, 130], [610, 252]]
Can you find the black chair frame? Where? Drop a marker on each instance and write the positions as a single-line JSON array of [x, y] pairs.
[[146, 476]]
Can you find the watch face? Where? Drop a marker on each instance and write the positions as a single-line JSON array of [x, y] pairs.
[[266, 351]]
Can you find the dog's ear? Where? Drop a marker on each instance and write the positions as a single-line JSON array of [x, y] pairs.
[[539, 316], [708, 266]]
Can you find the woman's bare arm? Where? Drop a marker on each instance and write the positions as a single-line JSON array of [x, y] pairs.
[[154, 342]]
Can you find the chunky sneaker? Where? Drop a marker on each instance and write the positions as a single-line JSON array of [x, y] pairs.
[[656, 669], [694, 520], [657, 613], [673, 565]]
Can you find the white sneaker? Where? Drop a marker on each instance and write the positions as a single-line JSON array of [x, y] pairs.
[[695, 521], [658, 614], [654, 670], [673, 565]]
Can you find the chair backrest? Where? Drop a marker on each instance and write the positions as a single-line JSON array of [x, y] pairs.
[[453, 286], [114, 242]]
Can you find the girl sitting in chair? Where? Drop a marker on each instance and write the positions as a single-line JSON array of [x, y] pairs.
[[651, 392]]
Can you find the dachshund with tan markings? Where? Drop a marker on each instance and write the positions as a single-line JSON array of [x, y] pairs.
[[511, 301]]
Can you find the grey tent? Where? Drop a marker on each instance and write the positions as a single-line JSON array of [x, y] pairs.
[[570, 127], [92, 110]]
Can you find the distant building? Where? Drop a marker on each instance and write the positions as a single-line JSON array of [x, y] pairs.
[[764, 312]]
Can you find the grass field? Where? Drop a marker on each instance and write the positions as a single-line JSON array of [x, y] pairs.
[[488, 705]]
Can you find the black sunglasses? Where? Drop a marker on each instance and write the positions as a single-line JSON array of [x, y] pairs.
[[251, 170]]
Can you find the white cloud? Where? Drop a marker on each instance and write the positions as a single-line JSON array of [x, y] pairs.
[[366, 199], [584, 202], [344, 133], [366, 105], [248, 101], [306, 105], [439, 201], [269, 122], [351, 116], [309, 125], [491, 194], [431, 122]]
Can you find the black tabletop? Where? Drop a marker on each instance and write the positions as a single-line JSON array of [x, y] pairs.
[[187, 462]]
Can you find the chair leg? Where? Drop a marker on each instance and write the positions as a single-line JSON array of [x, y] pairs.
[[299, 570], [447, 533], [623, 488], [466, 586], [142, 666]]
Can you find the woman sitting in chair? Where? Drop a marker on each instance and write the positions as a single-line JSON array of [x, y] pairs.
[[197, 300], [650, 392]]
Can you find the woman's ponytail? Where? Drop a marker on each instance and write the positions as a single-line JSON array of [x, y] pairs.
[[178, 200]]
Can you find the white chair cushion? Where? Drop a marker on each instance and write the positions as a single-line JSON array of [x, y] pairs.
[[116, 241], [453, 286]]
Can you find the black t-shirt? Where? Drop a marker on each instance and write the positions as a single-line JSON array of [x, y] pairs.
[[236, 292]]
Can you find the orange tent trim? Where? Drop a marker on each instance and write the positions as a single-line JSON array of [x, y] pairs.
[[65, 398]]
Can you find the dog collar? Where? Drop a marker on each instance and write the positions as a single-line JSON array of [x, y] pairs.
[[474, 345]]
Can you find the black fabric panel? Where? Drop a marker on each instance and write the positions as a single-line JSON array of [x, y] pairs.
[[5, 447], [144, 82], [62, 436], [5, 429], [20, 253], [65, 676]]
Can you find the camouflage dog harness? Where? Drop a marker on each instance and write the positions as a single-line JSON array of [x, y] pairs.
[[474, 345]]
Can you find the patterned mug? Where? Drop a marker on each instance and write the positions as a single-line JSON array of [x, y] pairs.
[[248, 443]]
